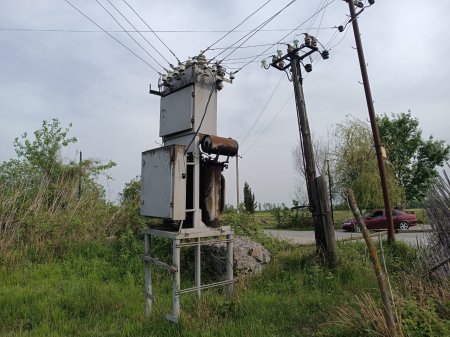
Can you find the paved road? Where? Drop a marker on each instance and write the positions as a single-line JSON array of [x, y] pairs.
[[412, 237]]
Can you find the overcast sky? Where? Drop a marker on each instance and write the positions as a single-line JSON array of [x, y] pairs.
[[89, 79]]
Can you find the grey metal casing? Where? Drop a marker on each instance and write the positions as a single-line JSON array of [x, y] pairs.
[[163, 182], [183, 110]]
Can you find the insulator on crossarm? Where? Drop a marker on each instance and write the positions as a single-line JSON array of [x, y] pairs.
[[359, 4], [325, 54], [220, 70], [371, 2], [313, 42], [341, 29], [307, 40], [308, 67], [219, 85], [281, 64]]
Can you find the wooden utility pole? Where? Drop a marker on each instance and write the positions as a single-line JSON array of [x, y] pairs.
[[308, 153], [80, 175], [316, 186], [373, 122], [388, 309]]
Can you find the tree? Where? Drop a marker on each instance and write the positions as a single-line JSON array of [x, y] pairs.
[[44, 150], [356, 166], [249, 199], [41, 172], [413, 159], [322, 151]]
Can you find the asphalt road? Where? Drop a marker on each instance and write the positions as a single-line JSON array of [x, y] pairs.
[[417, 235]]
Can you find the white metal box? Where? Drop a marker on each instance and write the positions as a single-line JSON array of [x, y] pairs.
[[163, 182]]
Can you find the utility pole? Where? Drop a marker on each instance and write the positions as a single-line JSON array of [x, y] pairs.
[[330, 187], [308, 153], [237, 182], [318, 199], [373, 121], [80, 174]]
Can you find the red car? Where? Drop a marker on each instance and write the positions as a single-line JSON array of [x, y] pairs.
[[376, 219]]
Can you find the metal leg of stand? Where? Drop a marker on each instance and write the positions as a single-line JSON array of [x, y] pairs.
[[198, 270], [148, 275], [176, 282], [230, 266]]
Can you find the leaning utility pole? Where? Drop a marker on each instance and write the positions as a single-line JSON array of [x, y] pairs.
[[373, 121], [305, 133], [316, 186]]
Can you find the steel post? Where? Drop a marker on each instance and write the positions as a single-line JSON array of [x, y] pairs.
[[230, 266], [148, 275], [176, 282], [198, 269]]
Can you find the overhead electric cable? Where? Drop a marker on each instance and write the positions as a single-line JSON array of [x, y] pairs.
[[265, 51], [135, 29], [112, 36], [341, 40], [148, 26], [62, 30], [255, 31], [269, 124], [233, 29], [262, 110], [315, 17], [135, 41], [320, 23]]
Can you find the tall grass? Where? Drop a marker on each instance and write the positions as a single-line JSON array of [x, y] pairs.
[[41, 212]]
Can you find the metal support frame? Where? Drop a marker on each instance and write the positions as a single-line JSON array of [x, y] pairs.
[[198, 237]]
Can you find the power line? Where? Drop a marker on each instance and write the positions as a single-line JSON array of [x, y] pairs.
[[148, 26], [262, 110], [269, 124], [233, 29], [255, 31], [315, 16], [320, 23], [145, 50], [112, 36], [293, 30], [134, 27], [187, 31]]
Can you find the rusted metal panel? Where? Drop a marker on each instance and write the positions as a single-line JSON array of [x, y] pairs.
[[163, 183], [212, 192], [219, 145]]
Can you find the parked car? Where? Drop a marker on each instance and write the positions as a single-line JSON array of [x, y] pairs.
[[376, 219]]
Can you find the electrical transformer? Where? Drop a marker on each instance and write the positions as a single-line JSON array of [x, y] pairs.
[[182, 181]]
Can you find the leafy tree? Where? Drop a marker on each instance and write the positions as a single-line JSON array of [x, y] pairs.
[[249, 199], [356, 166], [44, 150], [40, 170], [413, 159]]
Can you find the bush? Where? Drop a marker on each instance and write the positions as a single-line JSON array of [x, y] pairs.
[[287, 218]]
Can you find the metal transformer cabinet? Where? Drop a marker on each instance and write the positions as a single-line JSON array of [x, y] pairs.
[[182, 181], [163, 183]]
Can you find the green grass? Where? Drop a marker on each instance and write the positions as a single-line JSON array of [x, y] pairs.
[[95, 289]]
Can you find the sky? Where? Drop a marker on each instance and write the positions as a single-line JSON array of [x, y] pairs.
[[55, 63]]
